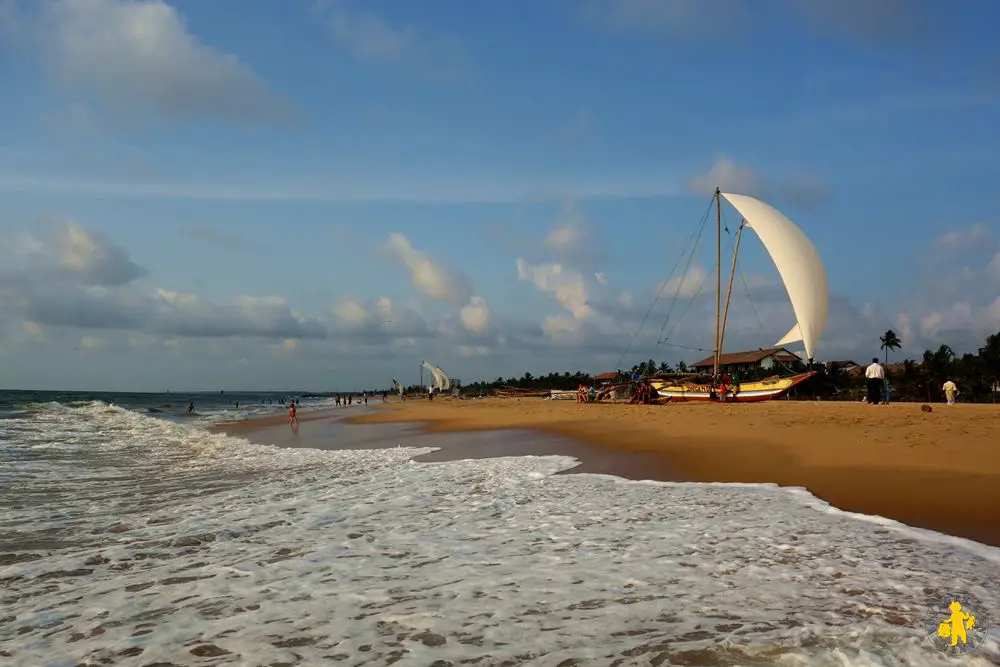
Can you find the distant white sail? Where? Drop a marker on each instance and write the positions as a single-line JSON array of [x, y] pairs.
[[441, 380], [799, 265]]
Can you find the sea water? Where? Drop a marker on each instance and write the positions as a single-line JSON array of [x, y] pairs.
[[127, 539]]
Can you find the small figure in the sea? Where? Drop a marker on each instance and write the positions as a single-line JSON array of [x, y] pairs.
[[957, 624], [950, 391], [336, 400], [293, 416], [875, 376], [191, 408]]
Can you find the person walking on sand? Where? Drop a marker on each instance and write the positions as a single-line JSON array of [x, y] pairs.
[[875, 375], [293, 416], [950, 392]]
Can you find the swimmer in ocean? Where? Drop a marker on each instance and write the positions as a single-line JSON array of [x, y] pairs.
[[191, 408]]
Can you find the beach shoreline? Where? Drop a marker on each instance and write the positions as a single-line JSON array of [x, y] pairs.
[[938, 470]]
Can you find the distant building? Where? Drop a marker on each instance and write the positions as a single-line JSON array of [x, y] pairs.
[[744, 362], [605, 378], [843, 367]]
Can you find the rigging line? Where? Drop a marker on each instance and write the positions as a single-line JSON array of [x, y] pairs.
[[666, 320], [687, 347], [697, 293], [746, 289], [680, 282], [663, 286]]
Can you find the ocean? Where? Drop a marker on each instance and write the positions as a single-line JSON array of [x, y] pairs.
[[131, 535]]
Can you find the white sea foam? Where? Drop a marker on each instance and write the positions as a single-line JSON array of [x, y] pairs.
[[138, 541]]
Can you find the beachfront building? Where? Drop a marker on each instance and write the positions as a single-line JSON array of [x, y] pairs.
[[602, 379], [754, 361], [844, 366]]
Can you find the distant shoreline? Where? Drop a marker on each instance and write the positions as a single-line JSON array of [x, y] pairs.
[[938, 470]]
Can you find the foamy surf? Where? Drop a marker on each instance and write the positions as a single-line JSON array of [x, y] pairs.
[[135, 541]]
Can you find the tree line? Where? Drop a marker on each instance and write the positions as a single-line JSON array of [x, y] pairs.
[[912, 380]]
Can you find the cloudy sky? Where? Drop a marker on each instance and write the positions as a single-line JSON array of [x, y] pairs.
[[320, 194]]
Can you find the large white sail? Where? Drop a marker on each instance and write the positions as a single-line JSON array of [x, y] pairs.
[[799, 265]]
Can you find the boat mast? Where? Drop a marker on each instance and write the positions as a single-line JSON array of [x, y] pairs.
[[729, 290], [718, 280]]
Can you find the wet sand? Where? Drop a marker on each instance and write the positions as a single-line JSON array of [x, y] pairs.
[[937, 470]]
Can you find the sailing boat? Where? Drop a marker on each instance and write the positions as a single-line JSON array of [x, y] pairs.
[[804, 276]]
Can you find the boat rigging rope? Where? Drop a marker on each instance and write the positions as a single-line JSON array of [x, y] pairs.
[[664, 341], [695, 236], [681, 281], [746, 290]]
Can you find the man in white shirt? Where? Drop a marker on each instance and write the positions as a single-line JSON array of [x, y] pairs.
[[950, 391], [875, 375]]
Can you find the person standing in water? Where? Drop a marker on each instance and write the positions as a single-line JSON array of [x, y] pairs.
[[293, 416]]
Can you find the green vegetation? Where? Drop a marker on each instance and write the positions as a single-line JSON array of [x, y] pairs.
[[975, 374], [911, 380]]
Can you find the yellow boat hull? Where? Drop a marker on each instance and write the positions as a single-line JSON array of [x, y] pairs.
[[753, 391]]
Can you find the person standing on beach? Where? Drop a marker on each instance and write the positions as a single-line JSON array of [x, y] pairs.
[[875, 376], [950, 392], [293, 416]]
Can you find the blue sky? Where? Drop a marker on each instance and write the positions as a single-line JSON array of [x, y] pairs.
[[201, 195]]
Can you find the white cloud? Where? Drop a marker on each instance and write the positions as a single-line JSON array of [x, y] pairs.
[[566, 239], [65, 249], [566, 286], [91, 343], [285, 347], [684, 286], [955, 299], [476, 315], [993, 268], [31, 327], [970, 238], [138, 56], [369, 37], [351, 312], [427, 275], [729, 176], [601, 278], [801, 188], [563, 328]]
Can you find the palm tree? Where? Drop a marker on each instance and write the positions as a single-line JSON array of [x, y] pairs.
[[890, 341]]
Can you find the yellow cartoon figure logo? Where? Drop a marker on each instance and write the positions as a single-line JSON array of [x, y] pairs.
[[956, 627]]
